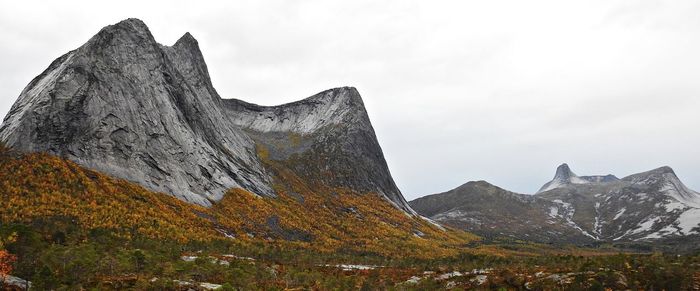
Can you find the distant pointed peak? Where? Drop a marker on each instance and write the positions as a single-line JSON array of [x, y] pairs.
[[564, 172]]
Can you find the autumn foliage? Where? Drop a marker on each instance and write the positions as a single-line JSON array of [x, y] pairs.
[[39, 186], [6, 259]]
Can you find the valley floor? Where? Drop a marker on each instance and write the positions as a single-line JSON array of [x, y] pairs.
[[106, 262], [64, 227]]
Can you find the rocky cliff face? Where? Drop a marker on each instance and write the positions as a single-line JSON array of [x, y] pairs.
[[128, 106], [650, 206], [326, 138]]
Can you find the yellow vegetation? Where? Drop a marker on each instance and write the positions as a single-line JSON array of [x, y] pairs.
[[36, 186], [39, 185]]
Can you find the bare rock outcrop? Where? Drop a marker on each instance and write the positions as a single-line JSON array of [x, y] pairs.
[[133, 108]]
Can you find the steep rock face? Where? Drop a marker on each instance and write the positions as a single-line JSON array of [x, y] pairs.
[[326, 138], [125, 105]]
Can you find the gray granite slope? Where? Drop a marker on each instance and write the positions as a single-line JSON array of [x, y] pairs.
[[133, 108]]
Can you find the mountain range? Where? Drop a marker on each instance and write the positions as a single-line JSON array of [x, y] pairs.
[[127, 106], [122, 168], [653, 206]]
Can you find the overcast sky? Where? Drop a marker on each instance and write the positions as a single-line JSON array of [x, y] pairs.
[[502, 91]]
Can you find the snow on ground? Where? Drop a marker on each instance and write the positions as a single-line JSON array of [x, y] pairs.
[[568, 214], [554, 184], [458, 215], [689, 220], [348, 267], [578, 180], [666, 231], [597, 225], [674, 205], [677, 190], [619, 213], [452, 214], [565, 204], [644, 226]]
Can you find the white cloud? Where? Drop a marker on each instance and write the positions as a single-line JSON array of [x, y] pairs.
[[457, 90]]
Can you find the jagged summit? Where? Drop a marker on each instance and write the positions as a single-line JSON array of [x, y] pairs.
[[133, 108], [564, 172], [186, 39], [564, 176]]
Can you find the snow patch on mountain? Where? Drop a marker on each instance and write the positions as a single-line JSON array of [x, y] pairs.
[[597, 225], [674, 188], [568, 214], [689, 221], [619, 213]]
